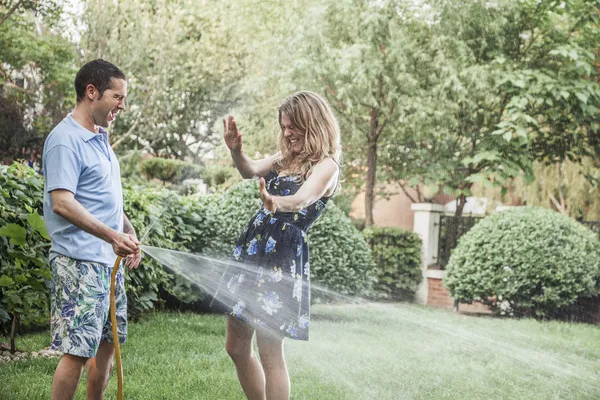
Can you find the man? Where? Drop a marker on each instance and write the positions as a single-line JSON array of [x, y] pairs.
[[83, 208]]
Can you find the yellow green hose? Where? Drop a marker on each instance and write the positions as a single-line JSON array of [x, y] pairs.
[[113, 319]]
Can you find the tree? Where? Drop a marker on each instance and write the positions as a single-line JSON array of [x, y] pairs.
[[369, 61], [552, 84], [274, 64], [41, 8], [35, 77], [179, 66], [517, 82], [567, 187]]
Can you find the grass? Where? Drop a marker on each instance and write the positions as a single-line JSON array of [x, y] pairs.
[[369, 351]]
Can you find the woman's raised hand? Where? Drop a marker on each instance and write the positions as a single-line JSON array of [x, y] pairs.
[[231, 134]]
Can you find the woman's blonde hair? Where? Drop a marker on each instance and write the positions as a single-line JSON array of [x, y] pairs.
[[310, 114]]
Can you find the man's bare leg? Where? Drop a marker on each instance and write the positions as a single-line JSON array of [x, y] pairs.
[[98, 371], [66, 377]]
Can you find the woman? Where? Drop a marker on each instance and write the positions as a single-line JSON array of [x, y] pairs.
[[269, 291]]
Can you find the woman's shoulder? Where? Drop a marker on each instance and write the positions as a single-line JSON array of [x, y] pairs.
[[327, 165], [331, 161], [328, 169]]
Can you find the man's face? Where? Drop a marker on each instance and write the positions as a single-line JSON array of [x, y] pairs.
[[106, 108]]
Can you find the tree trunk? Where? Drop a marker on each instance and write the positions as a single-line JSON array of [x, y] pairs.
[[453, 229], [372, 138], [371, 179], [460, 205], [13, 332]]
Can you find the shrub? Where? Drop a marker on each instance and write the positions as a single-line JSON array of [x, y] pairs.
[[24, 244], [225, 215], [525, 261], [169, 170], [397, 255], [359, 223], [221, 177], [340, 257], [170, 221], [143, 206], [343, 199], [131, 167], [209, 225]]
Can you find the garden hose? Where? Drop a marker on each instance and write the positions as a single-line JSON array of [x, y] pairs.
[[113, 319]]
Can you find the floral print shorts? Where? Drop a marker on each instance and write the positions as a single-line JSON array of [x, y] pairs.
[[80, 302]]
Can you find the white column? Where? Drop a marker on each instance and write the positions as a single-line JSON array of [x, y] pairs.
[[427, 226]]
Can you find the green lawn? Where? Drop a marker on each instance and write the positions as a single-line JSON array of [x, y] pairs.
[[370, 351]]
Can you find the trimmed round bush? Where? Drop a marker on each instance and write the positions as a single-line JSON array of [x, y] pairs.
[[340, 258], [170, 170], [397, 256], [525, 261]]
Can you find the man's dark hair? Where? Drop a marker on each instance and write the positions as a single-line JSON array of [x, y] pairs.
[[98, 73]]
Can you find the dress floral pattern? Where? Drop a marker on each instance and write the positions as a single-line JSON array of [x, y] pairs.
[[276, 273]]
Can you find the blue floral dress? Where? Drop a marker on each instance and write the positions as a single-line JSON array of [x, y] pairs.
[[272, 290]]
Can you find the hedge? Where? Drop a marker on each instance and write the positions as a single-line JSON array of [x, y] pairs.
[[397, 255], [525, 261]]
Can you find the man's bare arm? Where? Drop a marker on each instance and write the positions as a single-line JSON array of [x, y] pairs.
[[65, 205]]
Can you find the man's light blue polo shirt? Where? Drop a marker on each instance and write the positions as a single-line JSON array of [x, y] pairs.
[[83, 163]]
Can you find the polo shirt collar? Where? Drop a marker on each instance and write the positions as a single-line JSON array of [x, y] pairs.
[[84, 133]]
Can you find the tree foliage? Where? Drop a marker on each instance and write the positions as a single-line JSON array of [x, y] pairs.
[[36, 75], [517, 83], [440, 95], [179, 66], [567, 187]]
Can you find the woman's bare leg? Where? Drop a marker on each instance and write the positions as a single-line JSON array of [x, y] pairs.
[[271, 357], [249, 370]]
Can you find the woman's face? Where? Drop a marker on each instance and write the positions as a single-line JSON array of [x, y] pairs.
[[292, 134]]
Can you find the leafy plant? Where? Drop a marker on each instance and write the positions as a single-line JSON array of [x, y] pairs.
[[525, 261], [340, 257], [397, 255], [207, 225], [168, 221], [221, 176], [24, 243], [169, 170]]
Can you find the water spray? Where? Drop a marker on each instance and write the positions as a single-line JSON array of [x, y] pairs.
[[206, 274]]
